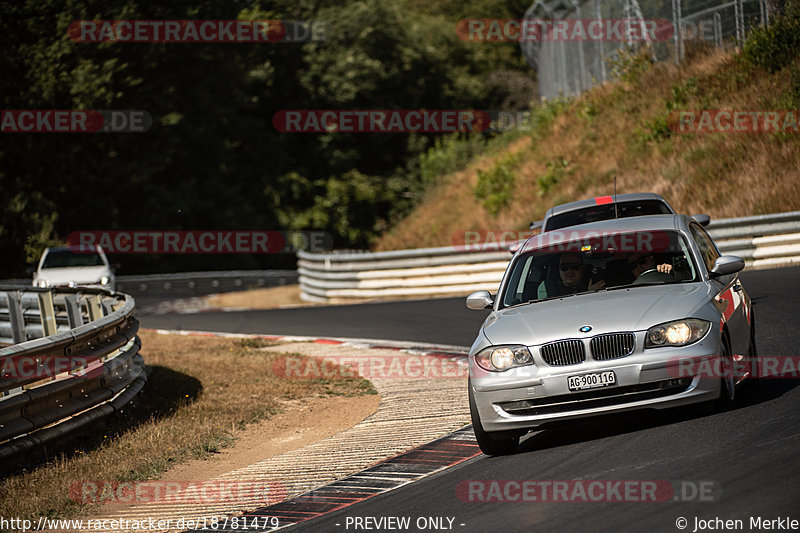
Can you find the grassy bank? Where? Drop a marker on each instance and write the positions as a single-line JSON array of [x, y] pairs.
[[624, 129], [201, 393]]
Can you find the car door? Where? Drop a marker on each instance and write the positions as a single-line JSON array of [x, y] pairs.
[[730, 298]]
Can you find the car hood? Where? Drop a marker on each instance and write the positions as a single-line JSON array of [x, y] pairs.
[[633, 309], [77, 275]]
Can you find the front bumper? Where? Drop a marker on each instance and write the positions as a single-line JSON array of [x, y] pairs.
[[533, 396]]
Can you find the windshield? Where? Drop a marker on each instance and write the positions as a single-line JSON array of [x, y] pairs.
[[606, 212], [69, 258], [591, 261]]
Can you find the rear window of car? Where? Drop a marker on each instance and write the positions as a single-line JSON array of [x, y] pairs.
[[606, 212], [611, 258], [68, 258]]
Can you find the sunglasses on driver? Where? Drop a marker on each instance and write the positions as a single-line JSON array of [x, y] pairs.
[[567, 266]]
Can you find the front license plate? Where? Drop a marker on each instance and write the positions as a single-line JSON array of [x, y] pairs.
[[591, 381]]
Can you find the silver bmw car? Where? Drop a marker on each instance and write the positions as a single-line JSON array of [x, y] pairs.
[[606, 317]]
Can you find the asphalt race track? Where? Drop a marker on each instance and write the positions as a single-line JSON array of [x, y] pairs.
[[735, 465], [443, 321]]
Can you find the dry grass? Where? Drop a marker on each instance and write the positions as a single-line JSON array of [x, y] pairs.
[[608, 132], [269, 298], [201, 394]]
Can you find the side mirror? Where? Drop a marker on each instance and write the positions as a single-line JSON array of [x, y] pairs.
[[727, 264], [480, 300], [536, 225], [703, 220]]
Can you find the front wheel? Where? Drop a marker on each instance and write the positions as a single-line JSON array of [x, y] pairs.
[[727, 389], [752, 353], [489, 443]]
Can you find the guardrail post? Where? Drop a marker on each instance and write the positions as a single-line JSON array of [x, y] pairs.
[[15, 316], [94, 307], [74, 314], [108, 308], [48, 313]]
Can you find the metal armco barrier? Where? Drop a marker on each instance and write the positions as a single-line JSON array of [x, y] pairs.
[[187, 284], [73, 359], [762, 241]]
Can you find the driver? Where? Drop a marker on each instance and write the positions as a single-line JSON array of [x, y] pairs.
[[640, 263], [572, 278]]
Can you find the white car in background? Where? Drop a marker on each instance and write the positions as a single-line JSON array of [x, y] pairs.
[[73, 266]]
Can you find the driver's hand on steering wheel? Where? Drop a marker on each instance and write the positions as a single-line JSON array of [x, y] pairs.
[[666, 268]]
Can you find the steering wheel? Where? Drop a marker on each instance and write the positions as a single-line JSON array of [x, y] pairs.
[[653, 276]]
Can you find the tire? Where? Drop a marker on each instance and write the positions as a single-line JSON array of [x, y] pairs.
[[489, 443], [752, 353], [727, 387]]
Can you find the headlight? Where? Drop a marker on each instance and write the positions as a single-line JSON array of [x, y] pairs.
[[104, 280], [43, 283], [499, 358], [677, 333]]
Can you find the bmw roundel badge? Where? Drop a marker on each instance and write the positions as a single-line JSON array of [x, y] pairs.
[[585, 329]]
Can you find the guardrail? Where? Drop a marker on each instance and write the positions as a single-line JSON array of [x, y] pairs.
[[762, 241], [74, 360], [187, 284]]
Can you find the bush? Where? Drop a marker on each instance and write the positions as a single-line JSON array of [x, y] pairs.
[[543, 115], [628, 64], [776, 46], [496, 185], [449, 154], [556, 170]]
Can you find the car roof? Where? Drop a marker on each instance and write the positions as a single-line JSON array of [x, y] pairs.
[[616, 225], [83, 248], [601, 200]]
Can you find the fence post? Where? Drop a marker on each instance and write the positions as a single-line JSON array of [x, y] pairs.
[[736, 17], [583, 84], [73, 311], [48, 313], [15, 316], [599, 42], [676, 30], [94, 307]]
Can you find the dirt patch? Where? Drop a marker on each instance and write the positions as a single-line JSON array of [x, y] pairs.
[[269, 298], [301, 423]]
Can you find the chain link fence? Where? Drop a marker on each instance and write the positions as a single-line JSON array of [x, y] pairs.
[[578, 53]]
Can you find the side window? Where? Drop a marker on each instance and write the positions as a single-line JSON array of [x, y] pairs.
[[706, 246], [516, 283]]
